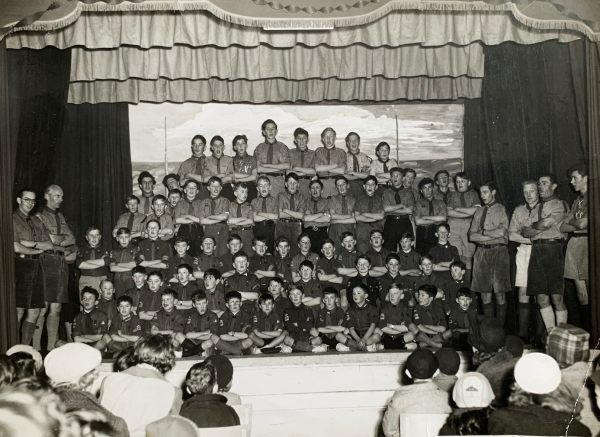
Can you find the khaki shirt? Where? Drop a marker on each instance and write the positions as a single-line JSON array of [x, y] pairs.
[[271, 205], [466, 199], [378, 167], [221, 206], [555, 208], [495, 218], [522, 217], [304, 159], [281, 153], [214, 166], [389, 199], [363, 162], [22, 231], [284, 199], [335, 204], [324, 156], [187, 207], [423, 209], [314, 207], [193, 164], [578, 211], [242, 164]]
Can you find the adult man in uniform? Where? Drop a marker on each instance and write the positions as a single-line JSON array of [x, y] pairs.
[[461, 205], [330, 161], [146, 183], [187, 215], [428, 213], [524, 215], [193, 167], [341, 209], [316, 216], [368, 212], [30, 240], [491, 263], [273, 157], [302, 160], [547, 263], [398, 205], [577, 257], [54, 261], [357, 163]]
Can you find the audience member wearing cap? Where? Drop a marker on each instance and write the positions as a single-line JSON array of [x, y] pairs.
[[224, 370], [473, 395], [72, 369], [22, 348], [141, 394], [423, 396], [206, 408], [569, 346], [448, 366], [539, 404]]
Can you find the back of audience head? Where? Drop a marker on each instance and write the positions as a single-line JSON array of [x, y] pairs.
[[224, 371], [201, 378], [470, 422], [421, 364], [73, 365], [472, 390], [156, 351], [568, 345], [124, 360], [448, 361]]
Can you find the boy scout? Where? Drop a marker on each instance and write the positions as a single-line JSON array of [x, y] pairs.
[[92, 260], [265, 211], [461, 206], [358, 164], [368, 212], [240, 220], [302, 160], [341, 211], [316, 215], [329, 161], [398, 205], [273, 156], [187, 216], [133, 220], [91, 325], [428, 213], [291, 205], [215, 212]]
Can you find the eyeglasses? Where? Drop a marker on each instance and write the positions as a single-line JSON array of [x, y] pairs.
[[25, 199]]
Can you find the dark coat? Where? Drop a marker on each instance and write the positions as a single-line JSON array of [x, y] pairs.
[[209, 411]]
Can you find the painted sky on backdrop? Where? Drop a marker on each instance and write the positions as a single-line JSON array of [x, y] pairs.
[[426, 131]]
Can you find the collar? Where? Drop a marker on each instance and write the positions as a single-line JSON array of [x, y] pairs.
[[489, 205], [383, 162], [50, 210], [20, 214], [548, 199]]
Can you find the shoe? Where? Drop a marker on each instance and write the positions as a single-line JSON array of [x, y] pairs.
[[285, 349], [340, 347], [371, 348], [380, 347], [320, 348], [255, 351]]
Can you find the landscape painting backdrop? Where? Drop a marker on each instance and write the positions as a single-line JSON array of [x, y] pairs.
[[430, 136]]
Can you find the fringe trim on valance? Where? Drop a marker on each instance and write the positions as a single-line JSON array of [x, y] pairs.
[[294, 23]]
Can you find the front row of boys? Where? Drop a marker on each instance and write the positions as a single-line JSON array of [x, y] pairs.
[[286, 325]]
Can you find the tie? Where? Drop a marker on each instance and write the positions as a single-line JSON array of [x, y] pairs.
[[198, 166], [344, 205], [292, 205], [239, 209], [130, 221], [270, 154], [30, 224], [315, 203], [355, 166], [385, 167], [463, 203], [152, 250], [218, 165], [328, 156], [370, 204], [93, 253], [57, 218], [301, 159], [190, 207], [212, 206], [328, 320], [397, 197], [263, 207], [483, 217], [147, 206], [541, 208], [431, 211]]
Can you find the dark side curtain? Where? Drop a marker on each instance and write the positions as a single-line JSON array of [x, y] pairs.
[[526, 121], [8, 315]]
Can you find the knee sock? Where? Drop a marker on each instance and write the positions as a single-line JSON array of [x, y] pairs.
[[523, 320], [585, 317], [501, 313], [52, 323], [561, 316], [37, 334], [27, 331], [488, 309], [548, 317]]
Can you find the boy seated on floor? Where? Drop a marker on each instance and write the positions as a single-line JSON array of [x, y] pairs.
[[461, 318], [106, 302], [395, 322], [267, 327], [300, 326], [169, 320], [126, 328], [330, 320], [311, 287], [91, 325], [361, 321], [201, 325], [234, 324], [429, 318]]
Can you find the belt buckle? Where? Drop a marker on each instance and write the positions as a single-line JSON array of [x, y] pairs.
[[315, 228]]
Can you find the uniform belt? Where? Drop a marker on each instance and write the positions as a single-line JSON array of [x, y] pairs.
[[579, 235], [266, 222], [239, 228], [290, 220], [24, 256], [397, 216], [548, 241], [54, 252], [490, 246], [315, 228]]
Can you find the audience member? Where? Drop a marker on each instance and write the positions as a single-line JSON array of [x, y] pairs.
[[224, 370]]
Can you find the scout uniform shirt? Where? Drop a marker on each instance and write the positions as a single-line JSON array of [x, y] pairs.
[[214, 166], [192, 165], [555, 208], [215, 298], [433, 314], [93, 323], [174, 320], [400, 314], [130, 325], [298, 320], [266, 322], [491, 217], [197, 322], [135, 222], [281, 304], [154, 250], [378, 166], [229, 322], [333, 317], [371, 285], [89, 253], [361, 318], [108, 307]]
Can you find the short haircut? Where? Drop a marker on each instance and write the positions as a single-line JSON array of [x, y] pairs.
[[492, 185], [582, 169], [328, 129], [210, 237], [89, 290], [442, 225], [350, 134], [397, 170], [440, 172], [408, 170], [462, 175], [104, 281], [232, 295], [278, 280], [215, 139], [155, 273], [188, 267], [145, 174], [347, 234], [125, 298], [264, 297], [159, 197], [170, 292], [214, 179], [263, 178], [155, 350], [408, 235], [306, 263], [331, 290], [198, 137], [213, 272], [301, 236], [179, 240], [240, 254], [280, 240], [239, 137], [551, 176], [362, 256], [425, 257], [24, 190], [91, 228], [232, 237], [380, 145], [292, 175], [264, 124], [315, 181], [138, 269], [175, 191], [370, 178], [431, 290], [191, 181], [201, 379], [425, 181], [529, 182], [340, 178], [327, 241], [123, 231], [458, 263], [238, 185], [259, 239], [170, 176], [198, 296], [464, 291], [132, 197], [152, 221], [392, 256], [300, 131], [376, 231]]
